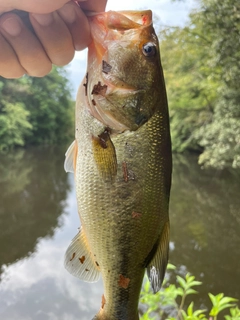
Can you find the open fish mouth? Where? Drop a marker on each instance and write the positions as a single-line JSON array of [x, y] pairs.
[[104, 107]]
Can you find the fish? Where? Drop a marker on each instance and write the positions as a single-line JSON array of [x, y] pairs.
[[122, 163]]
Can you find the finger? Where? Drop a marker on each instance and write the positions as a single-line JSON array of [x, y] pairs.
[[9, 65], [77, 24], [36, 6], [93, 5], [26, 46], [54, 36]]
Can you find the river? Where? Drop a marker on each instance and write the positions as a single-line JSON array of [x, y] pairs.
[[38, 219]]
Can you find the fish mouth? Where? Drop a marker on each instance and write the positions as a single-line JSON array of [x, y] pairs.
[[107, 118], [123, 20], [103, 94], [111, 25]]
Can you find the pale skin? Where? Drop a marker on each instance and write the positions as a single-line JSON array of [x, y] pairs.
[[60, 28]]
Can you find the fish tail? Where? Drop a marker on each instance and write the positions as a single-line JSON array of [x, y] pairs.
[[101, 315]]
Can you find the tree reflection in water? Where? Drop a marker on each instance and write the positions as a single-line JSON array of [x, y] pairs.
[[205, 226], [33, 188]]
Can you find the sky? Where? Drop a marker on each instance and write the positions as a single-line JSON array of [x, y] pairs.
[[169, 13]]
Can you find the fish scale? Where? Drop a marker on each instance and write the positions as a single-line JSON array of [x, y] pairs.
[[122, 169]]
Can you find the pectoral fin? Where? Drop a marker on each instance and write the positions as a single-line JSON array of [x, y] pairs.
[[105, 155], [157, 266], [79, 261], [71, 157]]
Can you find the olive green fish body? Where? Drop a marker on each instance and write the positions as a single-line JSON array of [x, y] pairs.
[[122, 166]]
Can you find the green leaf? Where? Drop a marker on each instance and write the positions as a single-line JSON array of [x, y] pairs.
[[220, 303], [182, 282], [170, 267], [190, 309], [190, 291]]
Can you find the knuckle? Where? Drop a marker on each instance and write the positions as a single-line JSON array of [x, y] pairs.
[[12, 74], [43, 71], [62, 57]]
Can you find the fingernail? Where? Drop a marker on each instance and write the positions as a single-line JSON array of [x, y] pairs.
[[12, 26], [68, 13], [43, 19]]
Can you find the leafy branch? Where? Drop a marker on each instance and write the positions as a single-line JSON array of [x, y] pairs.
[[164, 304]]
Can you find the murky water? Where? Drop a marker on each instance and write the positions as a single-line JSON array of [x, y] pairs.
[[38, 219]]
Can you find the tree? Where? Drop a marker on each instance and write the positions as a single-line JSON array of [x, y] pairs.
[[35, 110], [221, 137], [201, 64]]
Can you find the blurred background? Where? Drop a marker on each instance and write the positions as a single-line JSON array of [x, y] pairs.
[[200, 53]]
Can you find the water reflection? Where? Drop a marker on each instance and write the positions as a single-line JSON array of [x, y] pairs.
[[205, 215], [33, 188], [38, 218]]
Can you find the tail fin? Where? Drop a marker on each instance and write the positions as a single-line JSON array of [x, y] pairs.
[[101, 315]]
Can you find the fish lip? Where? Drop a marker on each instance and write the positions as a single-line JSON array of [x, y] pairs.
[[107, 118], [112, 80]]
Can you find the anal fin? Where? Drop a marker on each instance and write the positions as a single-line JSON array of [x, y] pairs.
[[157, 266], [79, 261]]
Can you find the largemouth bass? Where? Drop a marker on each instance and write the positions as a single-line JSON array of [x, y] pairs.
[[121, 159]]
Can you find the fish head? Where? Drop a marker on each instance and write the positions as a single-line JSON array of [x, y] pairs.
[[124, 71]]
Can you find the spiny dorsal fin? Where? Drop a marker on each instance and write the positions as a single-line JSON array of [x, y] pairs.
[[157, 266], [79, 261], [70, 157]]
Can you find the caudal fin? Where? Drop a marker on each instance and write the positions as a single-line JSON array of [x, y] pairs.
[[110, 314], [102, 316]]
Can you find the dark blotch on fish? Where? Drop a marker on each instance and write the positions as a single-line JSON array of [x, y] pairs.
[[123, 281], [86, 84], [106, 67], [136, 214], [73, 256], [127, 174], [141, 119], [82, 259], [99, 89], [103, 301], [103, 138], [125, 171]]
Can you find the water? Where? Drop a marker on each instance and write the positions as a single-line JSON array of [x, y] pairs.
[[38, 219]]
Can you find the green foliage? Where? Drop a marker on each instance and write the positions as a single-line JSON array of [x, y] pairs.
[[14, 125], [202, 69], [220, 303], [193, 315], [35, 110], [234, 314], [166, 304]]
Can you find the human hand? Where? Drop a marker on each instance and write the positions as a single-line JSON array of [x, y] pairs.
[[60, 27]]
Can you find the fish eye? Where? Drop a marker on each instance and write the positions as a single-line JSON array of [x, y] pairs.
[[149, 49]]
